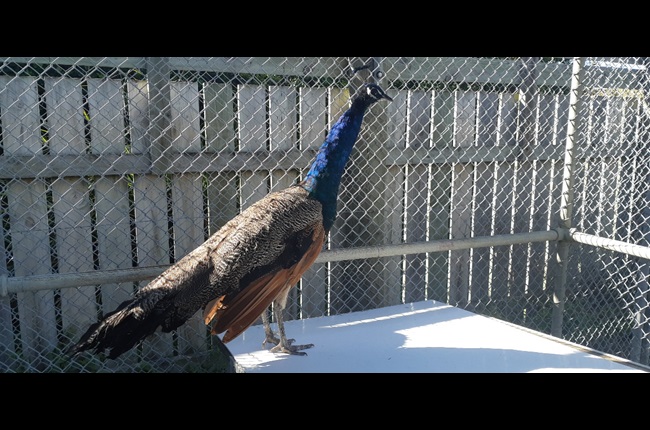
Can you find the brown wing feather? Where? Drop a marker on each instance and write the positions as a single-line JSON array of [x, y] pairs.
[[236, 313], [249, 305]]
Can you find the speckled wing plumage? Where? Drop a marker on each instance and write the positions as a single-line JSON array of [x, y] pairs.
[[258, 254], [264, 253]]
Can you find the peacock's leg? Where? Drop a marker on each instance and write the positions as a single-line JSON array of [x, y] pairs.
[[270, 336], [282, 344]]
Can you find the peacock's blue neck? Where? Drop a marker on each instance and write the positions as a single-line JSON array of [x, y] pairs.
[[324, 176]]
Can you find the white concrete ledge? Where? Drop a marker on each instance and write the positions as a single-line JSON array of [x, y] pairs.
[[425, 336]]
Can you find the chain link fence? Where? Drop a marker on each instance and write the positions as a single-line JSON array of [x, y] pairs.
[[460, 191]]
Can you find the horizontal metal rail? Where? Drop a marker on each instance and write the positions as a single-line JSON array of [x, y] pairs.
[[80, 279], [611, 244], [436, 246]]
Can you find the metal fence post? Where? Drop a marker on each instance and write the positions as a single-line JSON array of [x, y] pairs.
[[640, 343], [566, 203]]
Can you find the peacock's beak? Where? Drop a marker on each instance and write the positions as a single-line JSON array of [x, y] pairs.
[[387, 97]]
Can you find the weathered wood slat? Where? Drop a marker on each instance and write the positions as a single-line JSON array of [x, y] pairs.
[[219, 118], [106, 116], [185, 127], [31, 255], [138, 106], [65, 116], [21, 132]]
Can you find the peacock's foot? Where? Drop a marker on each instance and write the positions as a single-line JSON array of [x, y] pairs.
[[291, 349]]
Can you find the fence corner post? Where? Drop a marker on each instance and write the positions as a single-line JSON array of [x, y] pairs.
[[566, 198]]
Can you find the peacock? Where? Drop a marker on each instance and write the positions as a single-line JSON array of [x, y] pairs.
[[251, 262]]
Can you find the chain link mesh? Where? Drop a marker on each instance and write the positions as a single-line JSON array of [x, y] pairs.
[[121, 163]]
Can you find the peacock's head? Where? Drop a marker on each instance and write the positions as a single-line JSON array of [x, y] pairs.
[[372, 93]]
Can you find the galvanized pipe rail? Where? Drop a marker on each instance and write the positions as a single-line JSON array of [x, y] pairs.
[[80, 279]]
